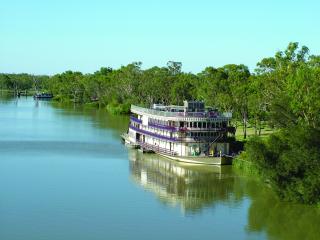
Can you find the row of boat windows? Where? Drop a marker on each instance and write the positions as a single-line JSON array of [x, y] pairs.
[[191, 124], [202, 134], [188, 134], [204, 124], [160, 122]]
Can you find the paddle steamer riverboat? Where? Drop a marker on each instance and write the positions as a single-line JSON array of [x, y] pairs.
[[190, 133]]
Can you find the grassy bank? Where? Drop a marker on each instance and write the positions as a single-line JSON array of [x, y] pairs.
[[251, 131]]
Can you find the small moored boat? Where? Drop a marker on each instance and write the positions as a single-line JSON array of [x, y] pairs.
[[43, 96]]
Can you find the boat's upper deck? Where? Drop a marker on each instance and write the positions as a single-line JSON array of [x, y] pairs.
[[178, 113]]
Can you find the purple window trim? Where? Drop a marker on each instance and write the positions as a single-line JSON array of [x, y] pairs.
[[179, 129], [184, 129], [194, 139], [135, 119]]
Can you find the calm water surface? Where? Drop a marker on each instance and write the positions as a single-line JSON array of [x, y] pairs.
[[64, 174]]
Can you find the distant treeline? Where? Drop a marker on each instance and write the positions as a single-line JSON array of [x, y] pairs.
[[283, 92], [22, 82]]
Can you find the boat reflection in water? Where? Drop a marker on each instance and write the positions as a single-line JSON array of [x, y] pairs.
[[193, 187], [197, 187]]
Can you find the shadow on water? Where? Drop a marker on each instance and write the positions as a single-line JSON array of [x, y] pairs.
[[196, 188]]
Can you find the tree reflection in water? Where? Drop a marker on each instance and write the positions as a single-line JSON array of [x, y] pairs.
[[281, 220]]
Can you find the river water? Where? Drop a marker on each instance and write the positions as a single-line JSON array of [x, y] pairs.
[[64, 174]]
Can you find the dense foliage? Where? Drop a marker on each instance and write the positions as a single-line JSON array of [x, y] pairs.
[[116, 89], [282, 92], [290, 157], [22, 82]]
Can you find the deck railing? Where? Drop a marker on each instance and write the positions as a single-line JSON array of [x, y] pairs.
[[163, 127], [186, 139], [185, 129], [226, 115]]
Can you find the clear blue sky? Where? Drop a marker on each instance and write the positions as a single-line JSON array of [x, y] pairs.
[[46, 37]]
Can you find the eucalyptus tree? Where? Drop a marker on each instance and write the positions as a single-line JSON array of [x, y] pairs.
[[285, 76], [183, 88], [174, 67], [238, 80], [155, 85], [125, 83], [256, 103], [97, 86], [214, 88]]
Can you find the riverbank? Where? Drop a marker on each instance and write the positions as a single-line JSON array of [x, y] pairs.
[[113, 108], [247, 167], [290, 161], [18, 92]]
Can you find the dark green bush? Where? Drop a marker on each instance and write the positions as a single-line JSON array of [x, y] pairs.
[[290, 160]]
